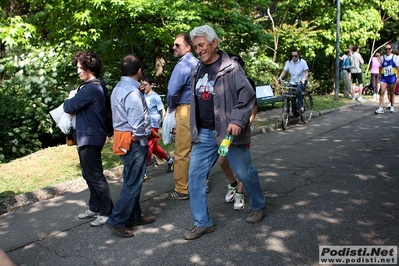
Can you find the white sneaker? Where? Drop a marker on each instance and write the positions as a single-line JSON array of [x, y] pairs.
[[388, 107], [380, 110], [239, 202], [361, 99], [354, 99], [170, 165], [88, 214], [231, 191], [392, 110], [100, 221]]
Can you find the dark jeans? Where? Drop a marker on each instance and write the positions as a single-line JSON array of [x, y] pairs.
[[299, 88], [127, 207], [92, 171]]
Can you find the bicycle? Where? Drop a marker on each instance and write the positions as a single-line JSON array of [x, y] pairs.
[[290, 96], [368, 89]]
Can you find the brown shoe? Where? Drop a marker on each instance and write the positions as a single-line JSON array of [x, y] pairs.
[[197, 232], [256, 216], [143, 221], [121, 231]]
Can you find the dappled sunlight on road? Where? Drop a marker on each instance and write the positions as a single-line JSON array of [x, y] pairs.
[[330, 182]]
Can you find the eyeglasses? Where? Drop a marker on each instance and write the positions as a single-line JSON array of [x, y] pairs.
[[294, 55], [388, 49], [176, 44]]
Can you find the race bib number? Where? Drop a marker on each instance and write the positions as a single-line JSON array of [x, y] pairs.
[[388, 71]]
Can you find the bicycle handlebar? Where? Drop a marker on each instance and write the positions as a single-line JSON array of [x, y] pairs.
[[288, 83]]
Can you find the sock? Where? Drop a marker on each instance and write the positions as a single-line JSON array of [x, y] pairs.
[[234, 184]]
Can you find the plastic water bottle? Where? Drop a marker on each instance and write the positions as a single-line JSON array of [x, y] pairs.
[[225, 145]]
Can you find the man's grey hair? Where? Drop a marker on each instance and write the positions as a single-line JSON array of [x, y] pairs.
[[204, 31]]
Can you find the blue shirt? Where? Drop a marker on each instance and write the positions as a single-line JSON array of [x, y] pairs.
[[179, 89], [155, 105], [129, 109], [388, 63]]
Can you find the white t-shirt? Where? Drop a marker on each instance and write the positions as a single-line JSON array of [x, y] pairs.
[[297, 70]]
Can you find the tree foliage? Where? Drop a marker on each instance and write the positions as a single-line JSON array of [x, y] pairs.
[[39, 37]]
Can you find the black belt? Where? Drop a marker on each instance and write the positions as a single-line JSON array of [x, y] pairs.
[[182, 104]]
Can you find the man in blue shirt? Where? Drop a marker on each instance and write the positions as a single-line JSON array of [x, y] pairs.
[[132, 126], [178, 98]]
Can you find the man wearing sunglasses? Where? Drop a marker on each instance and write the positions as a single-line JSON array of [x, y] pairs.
[[299, 71], [178, 99], [388, 65]]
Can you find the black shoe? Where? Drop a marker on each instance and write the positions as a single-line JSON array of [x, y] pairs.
[[176, 196], [295, 115]]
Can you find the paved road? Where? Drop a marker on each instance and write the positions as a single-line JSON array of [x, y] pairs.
[[331, 182]]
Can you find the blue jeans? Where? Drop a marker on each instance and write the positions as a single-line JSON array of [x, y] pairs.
[[203, 156], [299, 96], [127, 208]]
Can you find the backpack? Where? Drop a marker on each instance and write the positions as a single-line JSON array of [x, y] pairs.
[[347, 63], [344, 65], [108, 111]]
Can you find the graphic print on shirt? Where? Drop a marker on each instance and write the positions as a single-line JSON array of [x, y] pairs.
[[204, 88]]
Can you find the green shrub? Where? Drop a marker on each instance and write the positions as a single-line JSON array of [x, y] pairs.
[[32, 84]]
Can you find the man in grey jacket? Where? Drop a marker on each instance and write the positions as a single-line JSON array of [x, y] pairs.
[[222, 100], [356, 72]]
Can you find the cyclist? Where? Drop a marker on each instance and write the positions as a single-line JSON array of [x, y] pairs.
[[299, 71]]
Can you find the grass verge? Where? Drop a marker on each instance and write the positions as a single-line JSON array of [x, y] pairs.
[[48, 167]]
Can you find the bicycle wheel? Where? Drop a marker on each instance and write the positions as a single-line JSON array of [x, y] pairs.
[[308, 105], [285, 115], [368, 89]]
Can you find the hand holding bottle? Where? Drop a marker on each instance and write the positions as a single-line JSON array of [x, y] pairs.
[[234, 129], [225, 145]]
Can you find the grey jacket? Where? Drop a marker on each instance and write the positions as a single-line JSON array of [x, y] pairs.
[[356, 63], [234, 100]]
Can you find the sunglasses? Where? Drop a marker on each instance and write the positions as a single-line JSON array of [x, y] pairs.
[[388, 49], [294, 55], [177, 45]]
